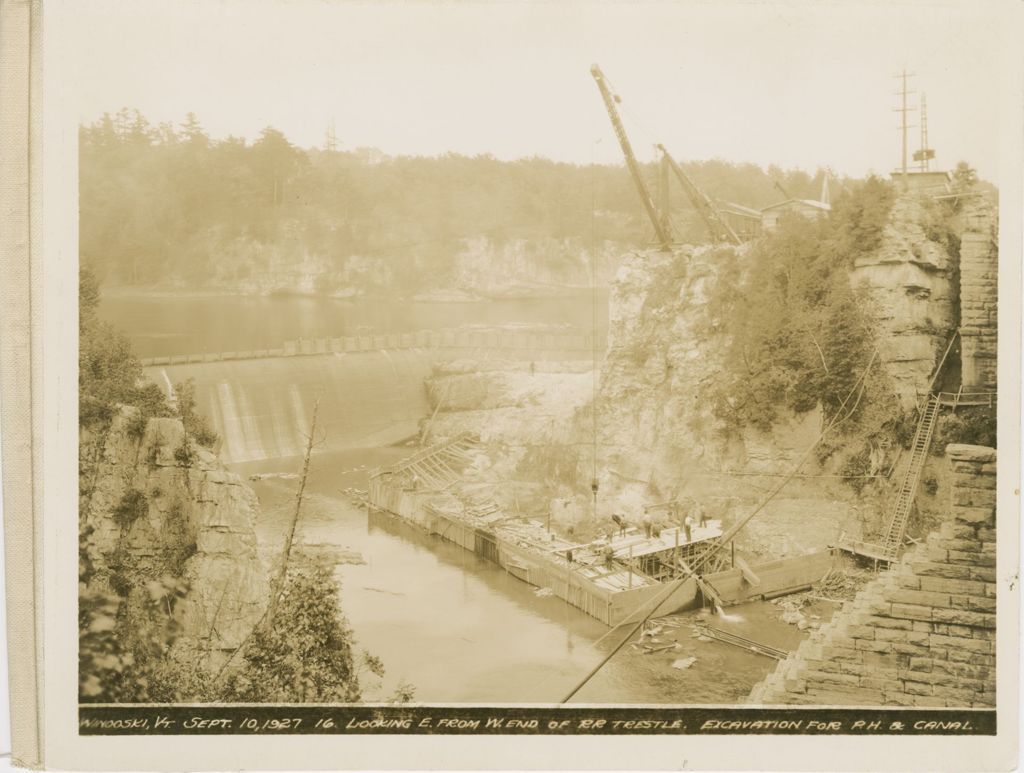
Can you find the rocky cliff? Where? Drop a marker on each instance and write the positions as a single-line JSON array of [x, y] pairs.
[[167, 523], [479, 267], [911, 278]]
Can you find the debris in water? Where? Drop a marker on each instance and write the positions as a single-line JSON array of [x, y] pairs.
[[383, 590], [543, 592], [684, 663]]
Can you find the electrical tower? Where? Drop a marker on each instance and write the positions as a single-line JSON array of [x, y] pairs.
[[903, 109], [925, 154]]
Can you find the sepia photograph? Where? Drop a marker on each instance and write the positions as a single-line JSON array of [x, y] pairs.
[[625, 360]]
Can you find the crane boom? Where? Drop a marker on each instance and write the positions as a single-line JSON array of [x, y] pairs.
[[662, 232], [720, 230]]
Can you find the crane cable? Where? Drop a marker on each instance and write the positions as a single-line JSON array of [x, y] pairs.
[[675, 584], [594, 485]]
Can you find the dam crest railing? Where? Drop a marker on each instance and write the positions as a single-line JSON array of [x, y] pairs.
[[573, 340]]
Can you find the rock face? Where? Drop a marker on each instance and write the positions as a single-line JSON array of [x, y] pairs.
[[529, 268], [923, 633], [482, 267], [159, 515], [910, 279]]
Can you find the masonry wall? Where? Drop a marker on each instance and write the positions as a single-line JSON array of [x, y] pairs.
[[979, 272], [923, 633]]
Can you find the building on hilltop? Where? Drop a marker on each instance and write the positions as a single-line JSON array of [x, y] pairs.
[[744, 221], [929, 182], [807, 207]]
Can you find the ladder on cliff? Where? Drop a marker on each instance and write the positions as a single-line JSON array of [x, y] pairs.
[[897, 530]]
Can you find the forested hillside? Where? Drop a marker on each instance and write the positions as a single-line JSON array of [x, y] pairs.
[[170, 206]]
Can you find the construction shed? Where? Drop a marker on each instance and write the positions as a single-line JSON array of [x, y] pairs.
[[807, 207]]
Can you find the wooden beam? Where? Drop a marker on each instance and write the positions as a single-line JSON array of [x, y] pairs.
[[747, 572]]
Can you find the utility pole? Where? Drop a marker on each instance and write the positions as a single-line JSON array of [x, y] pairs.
[[903, 109], [664, 193]]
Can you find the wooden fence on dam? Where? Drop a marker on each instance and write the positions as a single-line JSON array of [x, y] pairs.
[[569, 341]]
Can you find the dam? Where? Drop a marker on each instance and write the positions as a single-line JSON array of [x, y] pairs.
[[371, 388]]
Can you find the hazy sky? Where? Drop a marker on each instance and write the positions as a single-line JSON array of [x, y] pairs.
[[786, 83]]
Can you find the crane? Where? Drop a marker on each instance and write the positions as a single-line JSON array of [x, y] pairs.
[[661, 229], [720, 229]]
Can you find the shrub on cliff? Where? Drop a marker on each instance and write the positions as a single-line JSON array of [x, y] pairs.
[[307, 655]]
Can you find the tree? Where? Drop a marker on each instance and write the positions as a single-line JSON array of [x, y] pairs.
[[964, 177]]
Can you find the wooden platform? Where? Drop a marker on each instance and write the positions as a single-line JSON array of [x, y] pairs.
[[867, 550]]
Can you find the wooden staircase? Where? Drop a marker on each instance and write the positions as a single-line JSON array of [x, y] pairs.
[[888, 549]]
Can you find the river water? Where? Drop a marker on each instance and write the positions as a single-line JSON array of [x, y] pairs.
[[460, 629], [164, 325], [453, 626]]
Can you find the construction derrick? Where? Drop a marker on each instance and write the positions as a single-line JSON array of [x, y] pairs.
[[661, 230], [720, 230]]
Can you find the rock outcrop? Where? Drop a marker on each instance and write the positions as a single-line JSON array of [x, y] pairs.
[[160, 515], [910, 278], [923, 633]]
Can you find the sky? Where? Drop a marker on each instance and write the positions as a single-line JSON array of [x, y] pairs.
[[788, 83]]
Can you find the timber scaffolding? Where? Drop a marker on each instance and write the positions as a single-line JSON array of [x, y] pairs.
[[428, 489]]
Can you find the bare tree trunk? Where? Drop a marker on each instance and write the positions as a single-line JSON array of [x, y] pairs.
[[266, 623], [282, 572]]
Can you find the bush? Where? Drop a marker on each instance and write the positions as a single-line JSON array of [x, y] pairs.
[[973, 425], [109, 373], [196, 424], [133, 505]]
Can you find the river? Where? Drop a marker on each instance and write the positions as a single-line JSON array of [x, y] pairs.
[[460, 629]]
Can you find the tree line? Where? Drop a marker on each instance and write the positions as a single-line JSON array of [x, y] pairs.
[[163, 204]]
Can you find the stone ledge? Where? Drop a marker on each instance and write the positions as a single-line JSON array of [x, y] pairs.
[[962, 452]]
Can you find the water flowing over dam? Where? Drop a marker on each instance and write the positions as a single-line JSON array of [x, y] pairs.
[[261, 403], [261, 408]]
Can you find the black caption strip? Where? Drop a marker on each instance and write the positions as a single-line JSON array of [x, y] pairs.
[[420, 720]]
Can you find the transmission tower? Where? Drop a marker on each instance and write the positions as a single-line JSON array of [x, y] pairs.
[[331, 139], [925, 154]]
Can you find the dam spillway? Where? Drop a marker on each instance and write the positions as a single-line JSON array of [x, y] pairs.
[[261, 404]]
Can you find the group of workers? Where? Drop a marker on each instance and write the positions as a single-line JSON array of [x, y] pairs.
[[686, 513]]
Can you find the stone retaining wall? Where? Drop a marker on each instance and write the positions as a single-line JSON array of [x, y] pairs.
[[923, 632], [979, 273]]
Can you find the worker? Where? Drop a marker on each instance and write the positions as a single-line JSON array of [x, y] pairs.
[[568, 556], [648, 525], [688, 526], [609, 556], [701, 513], [621, 523]]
